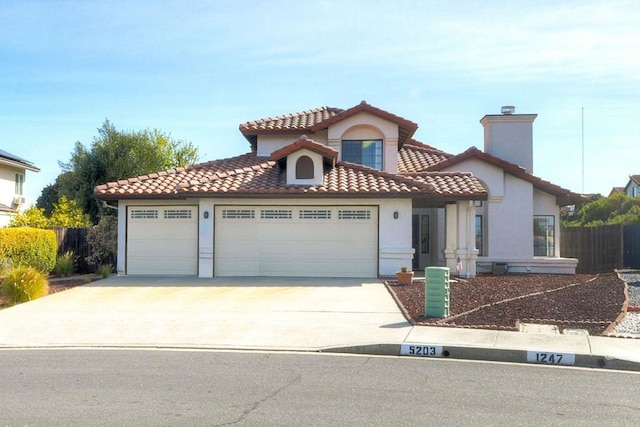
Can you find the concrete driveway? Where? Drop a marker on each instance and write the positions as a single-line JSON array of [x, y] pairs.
[[239, 313]]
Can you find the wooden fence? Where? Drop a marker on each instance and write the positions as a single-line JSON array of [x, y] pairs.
[[75, 240], [602, 249]]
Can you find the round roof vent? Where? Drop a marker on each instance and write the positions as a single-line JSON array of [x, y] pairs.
[[508, 109]]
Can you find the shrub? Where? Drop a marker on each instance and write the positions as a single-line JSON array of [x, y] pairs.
[[29, 247], [105, 270], [103, 240], [5, 266], [24, 284], [65, 264]]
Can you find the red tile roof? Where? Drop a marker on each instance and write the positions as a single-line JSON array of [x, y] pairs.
[[563, 196], [317, 119], [406, 128], [309, 144], [415, 156], [302, 121], [459, 184], [252, 176]]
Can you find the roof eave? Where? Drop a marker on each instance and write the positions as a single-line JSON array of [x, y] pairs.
[[19, 165]]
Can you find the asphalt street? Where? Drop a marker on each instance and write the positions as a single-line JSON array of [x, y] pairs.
[[180, 387]]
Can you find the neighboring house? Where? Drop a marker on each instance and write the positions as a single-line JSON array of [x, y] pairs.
[[12, 184], [632, 189], [617, 190], [333, 192]]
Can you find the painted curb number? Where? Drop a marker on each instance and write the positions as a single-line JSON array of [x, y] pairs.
[[551, 358], [421, 350]]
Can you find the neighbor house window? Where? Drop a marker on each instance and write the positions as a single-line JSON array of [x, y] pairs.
[[304, 168], [544, 235], [19, 184], [479, 234], [363, 152]]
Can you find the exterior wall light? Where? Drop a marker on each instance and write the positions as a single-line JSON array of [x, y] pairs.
[[395, 215]]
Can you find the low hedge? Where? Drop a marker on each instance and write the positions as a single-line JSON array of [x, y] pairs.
[[28, 247]]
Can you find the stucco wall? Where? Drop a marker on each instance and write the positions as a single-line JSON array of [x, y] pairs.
[[510, 223], [510, 137], [8, 184], [5, 218], [318, 174], [509, 211], [267, 144]]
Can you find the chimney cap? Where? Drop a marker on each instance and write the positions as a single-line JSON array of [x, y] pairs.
[[508, 109]]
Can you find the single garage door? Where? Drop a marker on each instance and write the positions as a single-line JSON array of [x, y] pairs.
[[329, 241], [162, 240]]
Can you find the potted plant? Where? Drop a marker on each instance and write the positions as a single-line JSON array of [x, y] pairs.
[[404, 276]]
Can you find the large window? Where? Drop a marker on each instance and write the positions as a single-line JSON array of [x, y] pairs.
[[19, 184], [479, 235], [363, 152], [544, 235]]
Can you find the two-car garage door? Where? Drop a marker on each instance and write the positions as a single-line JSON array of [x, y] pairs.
[[330, 241]]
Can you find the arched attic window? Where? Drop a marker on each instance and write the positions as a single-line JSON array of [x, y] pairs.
[[304, 168]]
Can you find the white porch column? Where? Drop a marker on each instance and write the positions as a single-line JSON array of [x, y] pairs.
[[451, 239], [460, 251], [466, 251]]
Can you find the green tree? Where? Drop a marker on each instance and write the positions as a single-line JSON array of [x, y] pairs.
[[30, 217], [66, 213], [50, 195], [115, 155], [615, 209]]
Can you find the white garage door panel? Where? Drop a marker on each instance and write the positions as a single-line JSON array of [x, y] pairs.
[[162, 240], [295, 246]]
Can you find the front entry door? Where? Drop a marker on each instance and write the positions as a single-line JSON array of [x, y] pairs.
[[421, 241]]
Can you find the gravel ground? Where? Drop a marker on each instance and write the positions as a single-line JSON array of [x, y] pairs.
[[632, 277], [501, 302], [630, 324]]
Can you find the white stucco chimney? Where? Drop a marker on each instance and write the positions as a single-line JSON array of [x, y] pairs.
[[509, 136]]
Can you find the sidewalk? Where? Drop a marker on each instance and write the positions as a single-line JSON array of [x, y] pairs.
[[516, 347], [279, 314]]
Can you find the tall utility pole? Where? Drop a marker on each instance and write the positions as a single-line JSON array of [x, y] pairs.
[[582, 150]]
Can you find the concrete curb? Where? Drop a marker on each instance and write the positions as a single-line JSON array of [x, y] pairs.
[[490, 355]]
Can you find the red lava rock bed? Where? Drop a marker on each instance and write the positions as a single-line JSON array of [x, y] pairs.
[[581, 301]]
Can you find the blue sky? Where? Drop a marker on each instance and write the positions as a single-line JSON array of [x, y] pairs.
[[197, 69]]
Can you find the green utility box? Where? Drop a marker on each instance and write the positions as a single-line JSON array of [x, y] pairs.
[[436, 292]]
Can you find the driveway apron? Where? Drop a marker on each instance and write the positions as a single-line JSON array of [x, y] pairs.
[[240, 313]]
